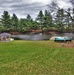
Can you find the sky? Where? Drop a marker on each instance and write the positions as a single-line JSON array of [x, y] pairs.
[[23, 7]]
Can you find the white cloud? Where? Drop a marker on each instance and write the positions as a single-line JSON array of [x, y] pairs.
[[37, 1], [42, 1], [64, 4], [23, 7]]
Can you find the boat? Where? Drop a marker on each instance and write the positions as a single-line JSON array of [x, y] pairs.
[[62, 39]]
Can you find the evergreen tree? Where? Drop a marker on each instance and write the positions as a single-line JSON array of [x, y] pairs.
[[15, 22], [60, 17], [23, 25], [47, 19], [40, 19], [28, 17], [68, 20], [5, 20], [29, 22]]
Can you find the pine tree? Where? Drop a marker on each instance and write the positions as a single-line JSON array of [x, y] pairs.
[[15, 22], [5, 20], [47, 19], [40, 19], [60, 17], [28, 17]]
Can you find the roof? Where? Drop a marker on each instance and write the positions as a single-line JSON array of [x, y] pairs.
[[5, 34]]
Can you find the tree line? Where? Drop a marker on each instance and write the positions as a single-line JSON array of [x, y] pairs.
[[14, 24], [54, 18]]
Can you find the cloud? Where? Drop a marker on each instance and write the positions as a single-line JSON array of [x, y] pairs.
[[23, 7], [64, 4]]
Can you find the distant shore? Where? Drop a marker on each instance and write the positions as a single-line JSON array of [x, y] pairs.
[[36, 32]]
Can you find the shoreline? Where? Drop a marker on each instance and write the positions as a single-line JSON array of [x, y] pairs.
[[36, 32]]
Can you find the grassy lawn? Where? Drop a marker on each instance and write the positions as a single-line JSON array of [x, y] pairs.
[[35, 58]]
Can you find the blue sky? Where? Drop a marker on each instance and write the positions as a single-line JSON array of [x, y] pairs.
[[23, 7]]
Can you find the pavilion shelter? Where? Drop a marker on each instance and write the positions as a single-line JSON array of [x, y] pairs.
[[5, 37]]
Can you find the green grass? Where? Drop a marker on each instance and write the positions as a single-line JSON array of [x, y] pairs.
[[35, 58]]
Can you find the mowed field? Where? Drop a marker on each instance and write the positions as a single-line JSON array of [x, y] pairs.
[[21, 57]]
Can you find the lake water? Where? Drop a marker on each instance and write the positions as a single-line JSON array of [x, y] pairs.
[[40, 36]]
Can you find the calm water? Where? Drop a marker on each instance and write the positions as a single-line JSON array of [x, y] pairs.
[[40, 36]]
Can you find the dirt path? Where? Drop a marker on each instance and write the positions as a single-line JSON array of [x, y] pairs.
[[69, 44]]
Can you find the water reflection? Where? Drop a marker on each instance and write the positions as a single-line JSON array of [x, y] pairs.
[[40, 36]]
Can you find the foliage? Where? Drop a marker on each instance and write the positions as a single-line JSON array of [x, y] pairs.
[[14, 22], [40, 19], [28, 17], [5, 20], [47, 19], [67, 15], [55, 17]]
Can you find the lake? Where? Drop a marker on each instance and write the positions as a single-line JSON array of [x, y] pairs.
[[40, 36]]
